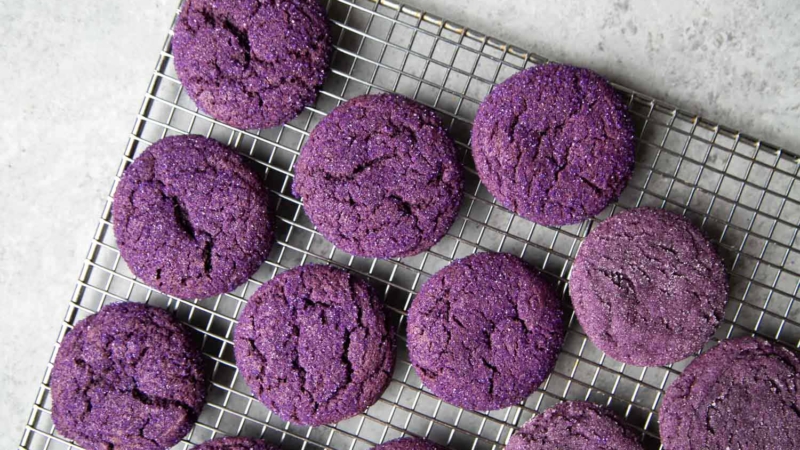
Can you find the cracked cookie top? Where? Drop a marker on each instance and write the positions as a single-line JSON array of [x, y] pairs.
[[379, 177], [252, 63], [574, 425], [554, 144], [485, 331], [410, 443], [236, 443], [127, 377], [648, 287], [190, 218], [314, 346], [744, 393]]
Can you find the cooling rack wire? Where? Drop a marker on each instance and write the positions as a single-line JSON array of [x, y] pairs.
[[740, 190]]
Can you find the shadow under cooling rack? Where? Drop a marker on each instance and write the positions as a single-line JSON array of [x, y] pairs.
[[741, 191]]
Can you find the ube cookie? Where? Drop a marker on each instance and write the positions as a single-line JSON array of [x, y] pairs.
[[379, 177], [574, 426], [127, 377], [485, 331], [648, 287], [410, 443], [744, 393], [313, 345], [252, 63], [554, 144], [236, 443], [190, 219]]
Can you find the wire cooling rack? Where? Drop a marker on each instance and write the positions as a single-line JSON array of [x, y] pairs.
[[741, 191]]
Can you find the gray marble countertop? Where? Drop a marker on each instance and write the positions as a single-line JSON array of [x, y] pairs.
[[73, 75]]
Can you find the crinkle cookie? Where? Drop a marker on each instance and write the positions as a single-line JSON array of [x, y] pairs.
[[252, 63], [379, 177], [410, 443], [648, 288], [742, 394], [574, 425], [191, 220], [485, 331], [314, 346], [127, 377], [554, 144]]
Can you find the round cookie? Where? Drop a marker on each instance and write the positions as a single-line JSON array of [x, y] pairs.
[[743, 393], [127, 377], [253, 63], [410, 443], [554, 144], [648, 287], [190, 219], [379, 177], [574, 425], [485, 331], [313, 345], [236, 443]]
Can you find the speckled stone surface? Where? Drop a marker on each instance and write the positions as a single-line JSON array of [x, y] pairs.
[[410, 443], [236, 443], [574, 425], [127, 377], [252, 63], [743, 394], [485, 331], [648, 288], [379, 177], [314, 346], [191, 219], [554, 143]]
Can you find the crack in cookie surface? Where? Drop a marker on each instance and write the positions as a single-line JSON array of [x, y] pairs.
[[648, 288], [191, 219], [127, 377], [313, 345], [554, 143], [253, 63], [485, 331], [744, 393], [379, 177]]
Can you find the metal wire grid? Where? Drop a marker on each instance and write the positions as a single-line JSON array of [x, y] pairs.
[[741, 191]]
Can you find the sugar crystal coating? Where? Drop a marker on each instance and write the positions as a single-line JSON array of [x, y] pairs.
[[742, 394], [648, 287], [554, 144], [252, 63], [236, 443], [410, 443], [379, 177], [313, 345], [191, 219], [574, 425], [127, 377], [485, 331]]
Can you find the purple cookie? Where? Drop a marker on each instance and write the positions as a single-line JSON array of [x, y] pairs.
[[127, 377], [379, 177], [742, 394], [236, 443], [554, 144], [485, 331], [252, 63], [313, 345], [191, 220], [574, 426], [648, 288], [410, 443]]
